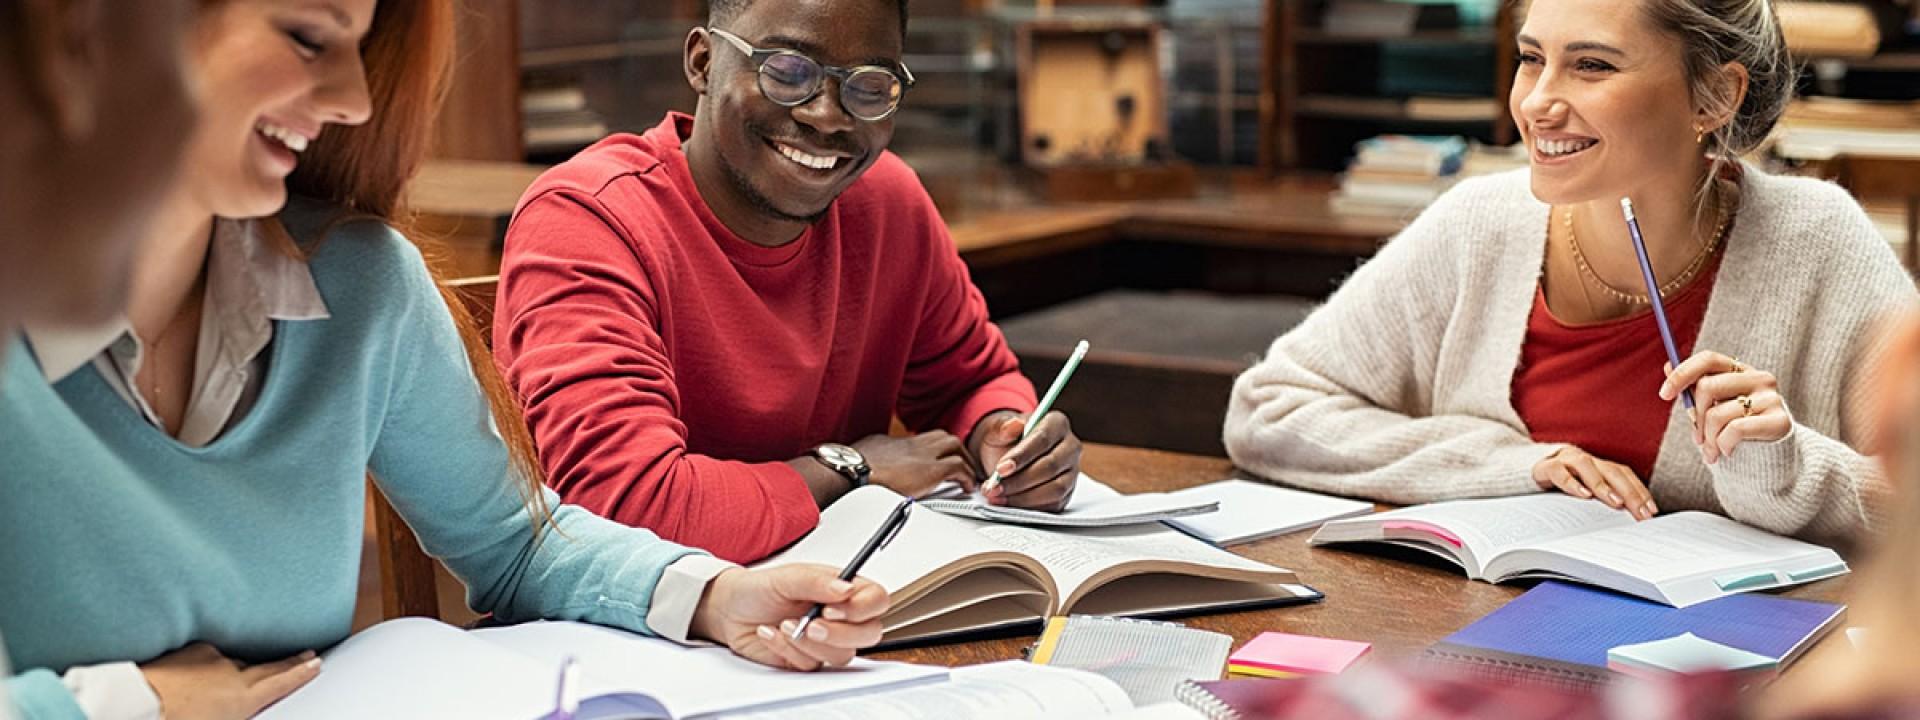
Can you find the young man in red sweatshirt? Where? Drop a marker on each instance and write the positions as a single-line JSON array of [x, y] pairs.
[[713, 323]]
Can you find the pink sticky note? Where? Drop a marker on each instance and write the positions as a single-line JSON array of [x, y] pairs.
[[1420, 527], [1302, 654]]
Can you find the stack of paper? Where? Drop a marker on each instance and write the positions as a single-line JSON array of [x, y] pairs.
[[1281, 655], [1093, 505], [1253, 510], [1686, 653]]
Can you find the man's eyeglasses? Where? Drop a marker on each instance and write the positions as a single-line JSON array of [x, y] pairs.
[[791, 79]]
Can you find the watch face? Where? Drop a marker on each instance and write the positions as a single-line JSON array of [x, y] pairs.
[[841, 455]]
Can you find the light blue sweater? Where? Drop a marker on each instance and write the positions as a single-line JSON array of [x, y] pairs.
[[117, 543]]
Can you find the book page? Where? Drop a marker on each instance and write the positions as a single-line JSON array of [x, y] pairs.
[[929, 541], [689, 681], [420, 668], [1009, 689], [1492, 526], [1076, 558], [1671, 548]]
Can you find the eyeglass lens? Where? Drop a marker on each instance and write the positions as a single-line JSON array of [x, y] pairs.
[[792, 79]]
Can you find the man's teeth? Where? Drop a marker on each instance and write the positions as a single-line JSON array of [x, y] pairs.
[[811, 161], [293, 140], [1561, 147]]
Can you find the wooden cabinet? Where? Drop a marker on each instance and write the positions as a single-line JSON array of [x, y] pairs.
[[1323, 89]]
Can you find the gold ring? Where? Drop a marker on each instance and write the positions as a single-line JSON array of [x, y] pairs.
[[1736, 367], [1746, 405]]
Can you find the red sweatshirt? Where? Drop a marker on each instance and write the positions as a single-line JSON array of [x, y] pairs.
[[670, 367]]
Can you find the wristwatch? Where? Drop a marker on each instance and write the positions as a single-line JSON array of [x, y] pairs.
[[844, 460]]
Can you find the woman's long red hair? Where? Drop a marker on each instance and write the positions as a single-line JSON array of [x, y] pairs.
[[408, 53]]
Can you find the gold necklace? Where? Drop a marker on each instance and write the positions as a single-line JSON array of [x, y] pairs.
[[152, 353], [1679, 281]]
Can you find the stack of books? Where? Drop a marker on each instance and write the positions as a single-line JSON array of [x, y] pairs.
[[1398, 175], [557, 120]]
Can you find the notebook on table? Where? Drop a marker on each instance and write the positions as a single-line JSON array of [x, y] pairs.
[[950, 576], [1561, 634], [1679, 559], [1252, 511], [1235, 698], [1147, 659], [1093, 505], [995, 691], [420, 668]]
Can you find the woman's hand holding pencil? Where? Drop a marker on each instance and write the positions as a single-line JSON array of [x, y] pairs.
[[1733, 403]]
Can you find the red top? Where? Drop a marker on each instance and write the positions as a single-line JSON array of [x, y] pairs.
[[670, 367], [1597, 386]]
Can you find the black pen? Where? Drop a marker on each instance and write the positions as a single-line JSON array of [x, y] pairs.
[[895, 520]]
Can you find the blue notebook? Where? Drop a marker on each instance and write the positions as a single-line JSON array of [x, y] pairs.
[[1560, 633]]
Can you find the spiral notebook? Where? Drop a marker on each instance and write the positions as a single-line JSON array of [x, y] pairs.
[[1148, 659], [1559, 634], [1233, 699]]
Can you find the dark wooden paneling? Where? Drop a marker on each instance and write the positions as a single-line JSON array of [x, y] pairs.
[[1150, 401], [481, 120]]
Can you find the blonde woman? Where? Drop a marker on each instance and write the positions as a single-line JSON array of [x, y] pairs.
[[1503, 343]]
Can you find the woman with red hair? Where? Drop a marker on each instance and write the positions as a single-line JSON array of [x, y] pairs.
[[186, 525]]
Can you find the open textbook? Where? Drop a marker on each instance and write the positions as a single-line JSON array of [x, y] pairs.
[[422, 669], [952, 575], [1678, 559]]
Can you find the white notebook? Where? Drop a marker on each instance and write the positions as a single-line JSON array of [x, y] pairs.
[[1094, 504], [1255, 510], [417, 668], [996, 691]]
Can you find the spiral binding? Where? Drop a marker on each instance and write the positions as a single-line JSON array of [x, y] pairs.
[[1192, 695], [1500, 670]]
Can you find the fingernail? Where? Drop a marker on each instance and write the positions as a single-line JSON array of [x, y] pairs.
[[839, 587], [1586, 494], [311, 664], [1005, 468], [1652, 509], [765, 633], [306, 655], [817, 632], [787, 626], [834, 613]]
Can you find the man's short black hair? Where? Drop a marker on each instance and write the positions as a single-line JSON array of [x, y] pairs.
[[721, 11]]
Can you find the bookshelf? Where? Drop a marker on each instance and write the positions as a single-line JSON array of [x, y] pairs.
[[1324, 90]]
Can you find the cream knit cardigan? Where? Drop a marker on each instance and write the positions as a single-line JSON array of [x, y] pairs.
[[1398, 388]]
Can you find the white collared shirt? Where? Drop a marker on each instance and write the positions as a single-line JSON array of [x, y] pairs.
[[250, 284]]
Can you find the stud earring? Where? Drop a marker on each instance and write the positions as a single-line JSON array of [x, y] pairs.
[[1699, 135]]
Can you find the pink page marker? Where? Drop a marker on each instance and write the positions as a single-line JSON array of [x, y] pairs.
[[1420, 527]]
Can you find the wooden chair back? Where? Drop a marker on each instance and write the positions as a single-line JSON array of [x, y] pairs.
[[1886, 177], [408, 576]]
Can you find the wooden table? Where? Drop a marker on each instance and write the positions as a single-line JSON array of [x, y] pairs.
[[1400, 603]]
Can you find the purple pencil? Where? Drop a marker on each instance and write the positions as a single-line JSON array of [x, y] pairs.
[[1653, 294]]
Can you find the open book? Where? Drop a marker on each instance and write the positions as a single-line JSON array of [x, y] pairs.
[[1678, 559], [951, 575], [419, 668], [1008, 689]]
